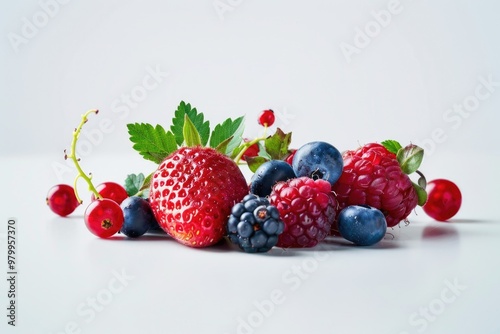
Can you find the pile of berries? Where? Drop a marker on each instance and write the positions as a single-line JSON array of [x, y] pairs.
[[296, 198]]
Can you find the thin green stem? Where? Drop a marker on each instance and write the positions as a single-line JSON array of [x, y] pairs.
[[247, 145], [72, 156], [250, 143]]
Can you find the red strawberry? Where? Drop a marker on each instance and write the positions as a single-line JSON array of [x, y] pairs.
[[375, 176], [307, 207], [192, 193]]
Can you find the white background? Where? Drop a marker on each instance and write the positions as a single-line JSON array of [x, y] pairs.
[[410, 69]]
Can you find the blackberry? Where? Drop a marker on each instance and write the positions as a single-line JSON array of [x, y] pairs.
[[254, 225]]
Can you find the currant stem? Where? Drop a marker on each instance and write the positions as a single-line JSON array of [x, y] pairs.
[[247, 145], [250, 143], [72, 156]]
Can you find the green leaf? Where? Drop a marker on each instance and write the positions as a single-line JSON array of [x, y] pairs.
[[190, 133], [421, 194], [392, 146], [277, 145], [153, 143], [255, 162], [228, 129], [222, 147], [410, 158], [202, 126], [134, 183]]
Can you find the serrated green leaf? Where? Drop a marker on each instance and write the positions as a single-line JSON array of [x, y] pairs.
[[202, 126], [153, 143], [190, 133], [255, 162], [277, 145], [223, 131], [133, 183], [410, 158], [392, 146]]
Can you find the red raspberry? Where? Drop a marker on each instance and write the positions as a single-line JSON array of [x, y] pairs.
[[192, 193], [307, 207], [373, 176]]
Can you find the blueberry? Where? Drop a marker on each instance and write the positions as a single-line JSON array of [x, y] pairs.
[[254, 225], [138, 217], [268, 174], [362, 224], [318, 160]]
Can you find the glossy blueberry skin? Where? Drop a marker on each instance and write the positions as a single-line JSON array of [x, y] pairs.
[[318, 160], [138, 217], [268, 174], [361, 224]]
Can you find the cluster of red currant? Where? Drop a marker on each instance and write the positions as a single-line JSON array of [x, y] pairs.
[[103, 216]]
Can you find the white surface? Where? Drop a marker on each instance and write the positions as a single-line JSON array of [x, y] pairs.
[[284, 55]]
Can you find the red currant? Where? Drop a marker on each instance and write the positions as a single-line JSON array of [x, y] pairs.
[[266, 117], [111, 190], [289, 158], [104, 217], [444, 199], [62, 200], [251, 151]]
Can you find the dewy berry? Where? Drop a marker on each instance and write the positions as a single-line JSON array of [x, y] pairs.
[[111, 190], [444, 199], [377, 177], [192, 193], [266, 118], [268, 174], [254, 225], [362, 224], [61, 199], [103, 217], [307, 207], [318, 160], [138, 217]]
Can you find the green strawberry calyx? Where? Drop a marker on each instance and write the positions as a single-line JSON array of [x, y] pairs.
[[410, 158]]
